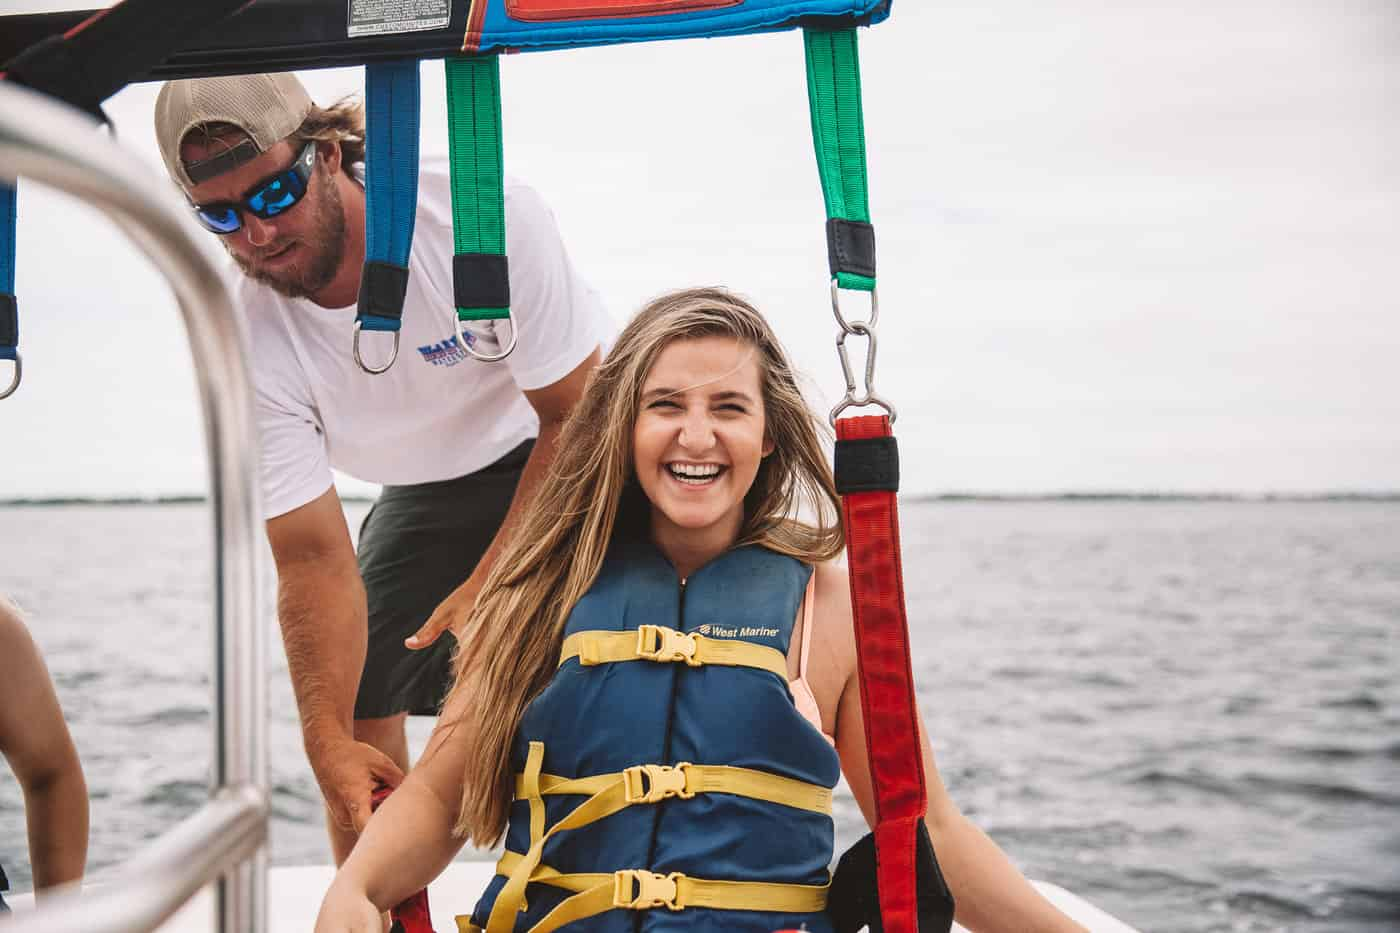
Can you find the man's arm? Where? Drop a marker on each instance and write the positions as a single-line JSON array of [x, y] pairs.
[[322, 611], [35, 741], [553, 404]]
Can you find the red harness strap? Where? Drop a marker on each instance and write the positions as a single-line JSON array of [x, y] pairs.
[[867, 477], [411, 915]]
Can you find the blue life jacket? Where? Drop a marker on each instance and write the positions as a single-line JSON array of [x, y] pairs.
[[711, 690]]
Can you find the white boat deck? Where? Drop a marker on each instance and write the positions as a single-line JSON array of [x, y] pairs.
[[295, 894]]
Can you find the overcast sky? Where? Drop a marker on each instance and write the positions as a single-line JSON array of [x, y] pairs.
[[1131, 245]]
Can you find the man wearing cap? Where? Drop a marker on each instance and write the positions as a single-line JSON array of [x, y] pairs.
[[458, 444]]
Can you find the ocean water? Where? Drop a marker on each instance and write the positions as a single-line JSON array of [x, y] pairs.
[[1186, 712]]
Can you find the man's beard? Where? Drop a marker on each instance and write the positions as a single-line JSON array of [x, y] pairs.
[[324, 248]]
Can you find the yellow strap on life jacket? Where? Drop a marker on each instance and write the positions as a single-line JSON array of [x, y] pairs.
[[653, 783], [616, 792], [527, 787], [511, 898], [666, 645], [638, 889]]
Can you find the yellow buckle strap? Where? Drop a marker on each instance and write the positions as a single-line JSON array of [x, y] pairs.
[[659, 643], [666, 645], [652, 890], [639, 889], [654, 783], [553, 784]]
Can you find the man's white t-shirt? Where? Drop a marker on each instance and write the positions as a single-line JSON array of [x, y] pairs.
[[437, 413]]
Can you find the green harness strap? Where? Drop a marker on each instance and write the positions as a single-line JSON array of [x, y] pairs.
[[480, 278], [838, 133]]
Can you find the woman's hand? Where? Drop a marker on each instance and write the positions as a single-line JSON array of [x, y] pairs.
[[348, 911]]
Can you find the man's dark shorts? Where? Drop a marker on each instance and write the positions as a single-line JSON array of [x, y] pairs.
[[417, 545]]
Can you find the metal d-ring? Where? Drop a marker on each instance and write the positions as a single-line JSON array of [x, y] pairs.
[[14, 381], [869, 397], [848, 326], [488, 357], [355, 349]]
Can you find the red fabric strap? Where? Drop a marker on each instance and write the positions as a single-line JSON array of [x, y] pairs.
[[886, 685]]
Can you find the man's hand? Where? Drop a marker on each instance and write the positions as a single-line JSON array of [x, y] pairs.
[[452, 613], [348, 772]]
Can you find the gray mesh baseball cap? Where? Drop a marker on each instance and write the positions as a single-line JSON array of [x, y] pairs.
[[268, 107]]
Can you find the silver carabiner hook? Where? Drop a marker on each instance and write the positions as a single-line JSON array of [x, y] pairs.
[[14, 381], [355, 350], [488, 357], [862, 329]]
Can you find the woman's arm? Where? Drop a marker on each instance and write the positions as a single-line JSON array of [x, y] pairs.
[[409, 839], [34, 740], [988, 891]]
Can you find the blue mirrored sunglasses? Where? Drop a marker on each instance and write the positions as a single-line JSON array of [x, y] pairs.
[[268, 198]]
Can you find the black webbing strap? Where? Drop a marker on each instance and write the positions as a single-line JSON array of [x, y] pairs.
[[850, 247], [853, 903], [867, 464], [9, 323], [480, 280], [102, 54]]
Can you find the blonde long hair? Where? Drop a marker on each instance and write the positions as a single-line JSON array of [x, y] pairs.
[[510, 649]]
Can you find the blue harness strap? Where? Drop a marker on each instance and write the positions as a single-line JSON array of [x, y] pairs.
[[9, 309], [391, 198]]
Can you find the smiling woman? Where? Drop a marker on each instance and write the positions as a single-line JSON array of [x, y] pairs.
[[658, 690]]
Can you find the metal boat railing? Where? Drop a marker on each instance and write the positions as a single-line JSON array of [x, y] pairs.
[[47, 142]]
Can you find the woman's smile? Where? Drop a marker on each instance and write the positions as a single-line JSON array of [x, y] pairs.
[[695, 474]]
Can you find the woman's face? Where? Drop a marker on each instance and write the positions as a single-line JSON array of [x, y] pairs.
[[700, 437]]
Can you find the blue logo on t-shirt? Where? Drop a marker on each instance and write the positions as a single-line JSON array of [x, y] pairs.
[[447, 352]]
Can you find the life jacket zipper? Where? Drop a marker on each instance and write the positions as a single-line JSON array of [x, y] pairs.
[[666, 747]]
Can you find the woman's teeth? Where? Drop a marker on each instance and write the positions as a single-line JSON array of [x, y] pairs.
[[694, 474]]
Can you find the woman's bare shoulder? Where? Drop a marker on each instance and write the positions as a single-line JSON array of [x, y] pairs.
[[833, 588], [832, 609]]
